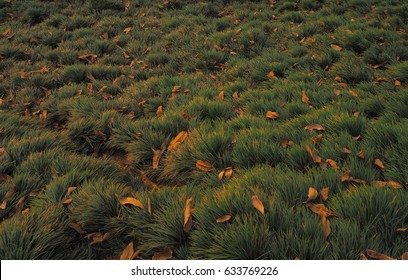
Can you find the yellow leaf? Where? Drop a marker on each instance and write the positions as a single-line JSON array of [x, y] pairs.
[[332, 163], [394, 185], [257, 203], [272, 115], [353, 93], [312, 194], [188, 218], [336, 47], [226, 172], [397, 83], [130, 200], [271, 74], [324, 193], [127, 30], [204, 166], [316, 126], [223, 219], [128, 252], [166, 254], [6, 32], [177, 140], [379, 163], [378, 256]]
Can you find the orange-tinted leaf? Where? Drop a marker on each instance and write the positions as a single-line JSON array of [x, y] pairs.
[[360, 154], [127, 30], [6, 198], [324, 193], [157, 154], [24, 75], [272, 115], [336, 47], [235, 95], [378, 256], [347, 151], [326, 225], [177, 140], [315, 126], [204, 166], [98, 237], [225, 173], [404, 256], [321, 210], [379, 163], [20, 204], [220, 96], [25, 211], [394, 185], [166, 254], [36, 192], [71, 190], [149, 206], [332, 163], [6, 32], [317, 139], [2, 152], [337, 92], [402, 229], [130, 200], [397, 83], [363, 257], [77, 228], [67, 201], [223, 219], [379, 183], [353, 93], [305, 99], [315, 157], [175, 89], [188, 218], [271, 74], [257, 203], [312, 194], [159, 111], [128, 252], [345, 177]]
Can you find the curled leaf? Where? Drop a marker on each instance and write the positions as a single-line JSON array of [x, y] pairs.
[[225, 173], [71, 190], [315, 126], [324, 194], [257, 203], [128, 253], [272, 115], [321, 210], [130, 200], [312, 194], [204, 166], [188, 218], [177, 140], [166, 254], [223, 219], [332, 163], [378, 256], [157, 154]]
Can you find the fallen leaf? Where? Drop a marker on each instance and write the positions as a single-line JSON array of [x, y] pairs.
[[347, 151], [226, 172], [20, 204], [77, 228], [321, 210], [317, 127], [130, 200], [102, 88], [378, 256], [317, 139], [305, 99], [126, 5], [402, 229], [315, 157], [357, 137], [127, 30], [177, 140], [326, 226], [128, 253], [159, 111], [25, 211], [394, 185], [204, 166], [188, 218], [397, 83], [223, 219], [286, 143], [311, 195], [2, 152], [271, 74], [404, 256], [6, 198], [332, 163], [1, 101], [6, 32], [157, 154], [257, 203], [360, 154], [147, 183], [353, 93], [220, 96], [336, 47], [346, 177], [149, 206], [324, 193], [363, 257], [67, 201], [235, 95], [337, 92], [175, 90], [98, 237], [166, 254], [379, 163], [71, 190], [272, 115]]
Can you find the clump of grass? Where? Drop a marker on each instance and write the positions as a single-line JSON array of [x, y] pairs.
[[353, 71]]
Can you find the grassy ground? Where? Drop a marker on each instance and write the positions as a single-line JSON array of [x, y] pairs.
[[203, 129]]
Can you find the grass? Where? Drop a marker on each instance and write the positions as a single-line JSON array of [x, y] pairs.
[[166, 100]]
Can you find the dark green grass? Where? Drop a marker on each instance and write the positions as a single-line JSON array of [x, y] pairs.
[[81, 83]]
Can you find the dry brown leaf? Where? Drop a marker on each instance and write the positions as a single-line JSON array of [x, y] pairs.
[[336, 47], [404, 256], [128, 253], [204, 166], [346, 176], [2, 152], [379, 183], [272, 115], [271, 74], [353, 93], [24, 75], [337, 92], [6, 32], [305, 99], [6, 198], [67, 201], [347, 151], [379, 163], [326, 225], [130, 200], [71, 190], [126, 5], [257, 203], [157, 154], [321, 210], [98, 237], [394, 185], [402, 229], [36, 192], [360, 154], [147, 183], [177, 140], [149, 206], [20, 204], [315, 157], [223, 219], [188, 218], [77, 228], [363, 257], [332, 163], [235, 95], [317, 139], [378, 256], [324, 193], [311, 195], [159, 111], [286, 143], [127, 30], [315, 126], [221, 96], [166, 254], [397, 83], [225, 173]]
